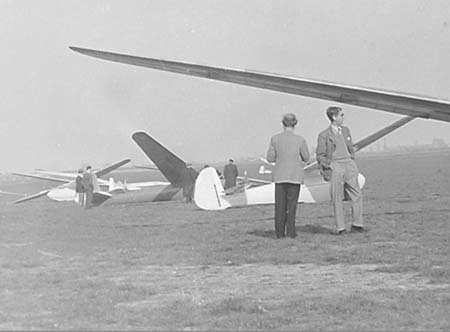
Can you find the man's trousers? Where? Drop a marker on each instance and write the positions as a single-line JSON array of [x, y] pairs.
[[89, 197], [286, 198], [344, 177]]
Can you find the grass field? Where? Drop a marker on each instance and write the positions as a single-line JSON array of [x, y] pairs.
[[171, 266]]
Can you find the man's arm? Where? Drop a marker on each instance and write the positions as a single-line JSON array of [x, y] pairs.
[[304, 151], [321, 152], [271, 153], [351, 149]]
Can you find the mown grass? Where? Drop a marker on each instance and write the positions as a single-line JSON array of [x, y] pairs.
[[171, 266]]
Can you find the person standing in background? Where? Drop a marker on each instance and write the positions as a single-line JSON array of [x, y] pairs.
[[88, 185], [79, 189], [230, 173]]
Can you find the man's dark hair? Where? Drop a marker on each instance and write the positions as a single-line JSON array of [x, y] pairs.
[[88, 167], [333, 111]]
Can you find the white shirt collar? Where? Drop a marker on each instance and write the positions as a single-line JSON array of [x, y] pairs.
[[336, 129]]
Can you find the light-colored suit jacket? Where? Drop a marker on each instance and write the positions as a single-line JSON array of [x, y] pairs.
[[287, 150]]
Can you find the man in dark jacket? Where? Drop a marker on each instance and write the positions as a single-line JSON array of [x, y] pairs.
[[230, 173], [287, 150], [335, 155], [88, 185], [79, 189]]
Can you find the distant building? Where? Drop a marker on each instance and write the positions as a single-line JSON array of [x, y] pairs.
[[438, 143]]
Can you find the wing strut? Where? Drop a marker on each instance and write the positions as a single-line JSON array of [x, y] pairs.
[[361, 144]]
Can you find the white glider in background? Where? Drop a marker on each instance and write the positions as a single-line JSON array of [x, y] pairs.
[[66, 191]]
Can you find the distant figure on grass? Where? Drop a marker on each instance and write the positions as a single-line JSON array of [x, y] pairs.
[[88, 185], [335, 155], [79, 189], [287, 150], [189, 185], [230, 173]]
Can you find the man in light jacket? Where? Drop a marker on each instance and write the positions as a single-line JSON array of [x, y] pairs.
[[287, 150]]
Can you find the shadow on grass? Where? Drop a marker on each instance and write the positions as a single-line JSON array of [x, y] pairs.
[[262, 233], [158, 225], [314, 229], [311, 229]]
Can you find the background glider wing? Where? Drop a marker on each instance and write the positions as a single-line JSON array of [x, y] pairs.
[[153, 168], [110, 168], [27, 198], [10, 193], [393, 102], [43, 177], [62, 175]]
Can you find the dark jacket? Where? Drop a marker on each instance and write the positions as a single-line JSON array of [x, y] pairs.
[[326, 145], [230, 173], [79, 184], [88, 183]]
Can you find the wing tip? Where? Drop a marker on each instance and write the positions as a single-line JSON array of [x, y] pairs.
[[85, 51], [75, 48], [138, 134]]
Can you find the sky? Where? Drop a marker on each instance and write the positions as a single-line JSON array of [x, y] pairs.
[[61, 110]]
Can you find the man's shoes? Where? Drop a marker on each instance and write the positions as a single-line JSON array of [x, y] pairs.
[[340, 232], [357, 229]]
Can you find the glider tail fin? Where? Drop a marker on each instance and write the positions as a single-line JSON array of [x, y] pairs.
[[209, 191], [170, 165]]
